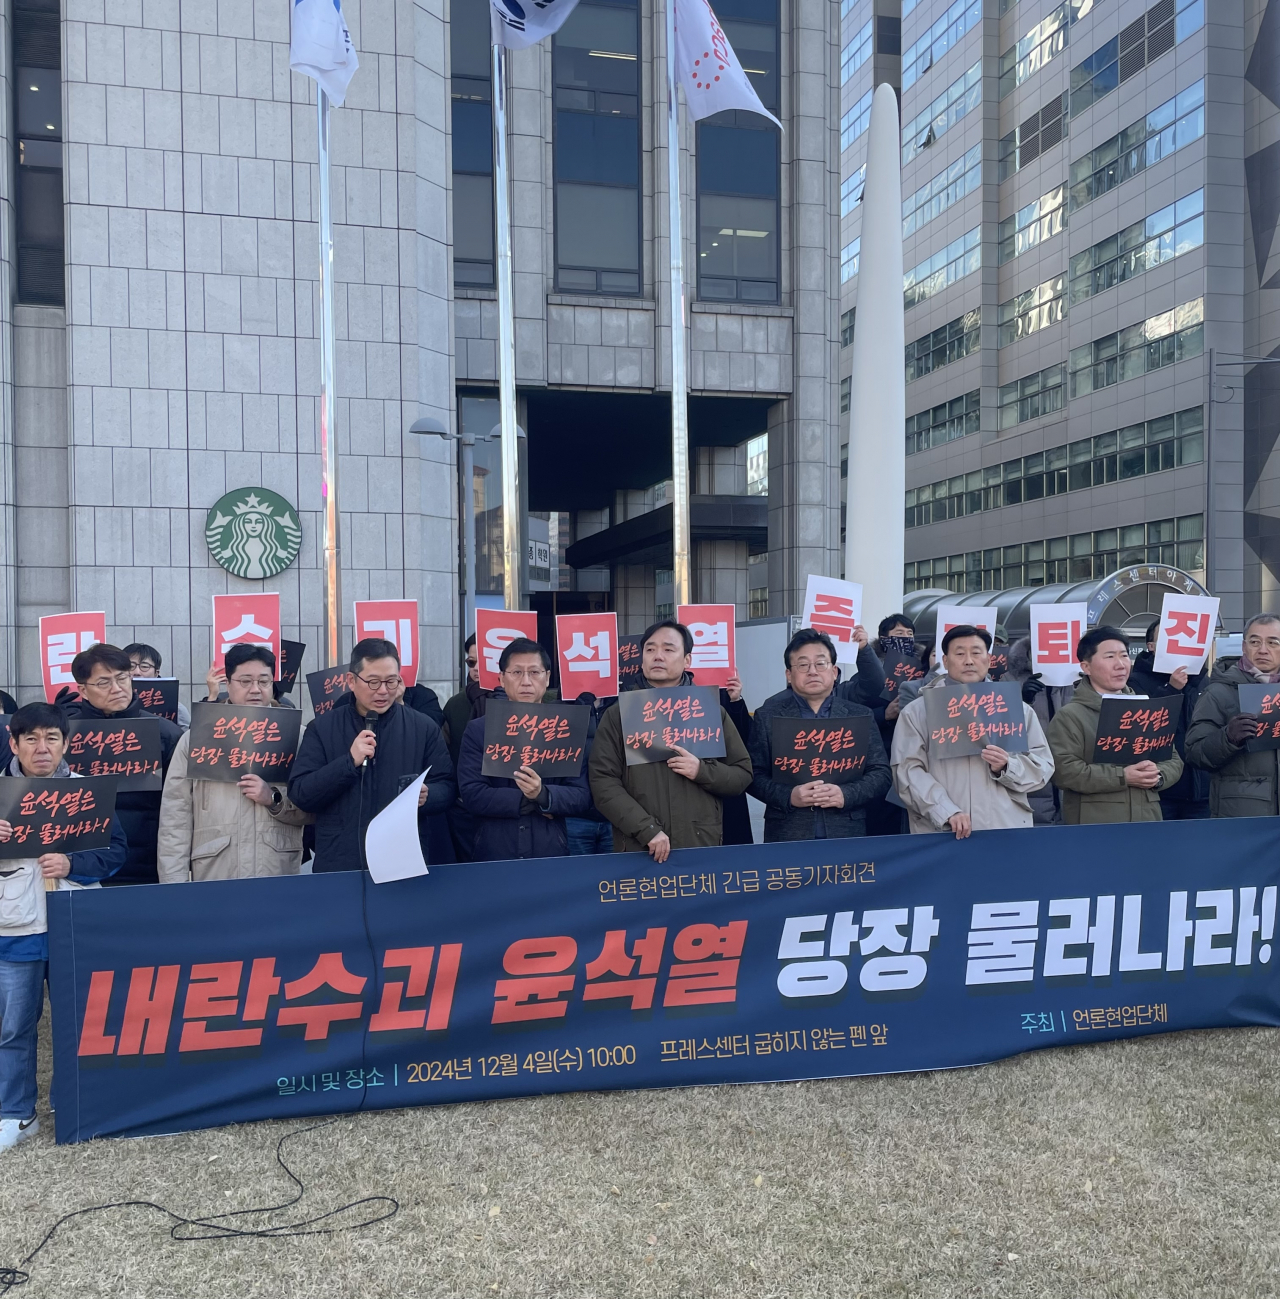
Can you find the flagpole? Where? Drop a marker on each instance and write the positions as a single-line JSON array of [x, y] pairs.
[[328, 440], [679, 376], [511, 557]]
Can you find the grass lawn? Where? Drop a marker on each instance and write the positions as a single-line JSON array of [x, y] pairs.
[[1145, 1167]]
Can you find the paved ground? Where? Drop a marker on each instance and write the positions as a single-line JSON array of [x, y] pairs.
[[1141, 1168]]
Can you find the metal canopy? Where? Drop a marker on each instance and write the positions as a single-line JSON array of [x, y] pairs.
[[1129, 598]]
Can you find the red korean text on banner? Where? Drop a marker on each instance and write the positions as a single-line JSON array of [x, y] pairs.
[[834, 607], [62, 637], [1186, 631], [587, 645], [495, 630], [250, 619], [712, 627], [1055, 632], [396, 621]]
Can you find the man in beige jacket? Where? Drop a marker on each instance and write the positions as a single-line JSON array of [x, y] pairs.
[[985, 791], [211, 830]]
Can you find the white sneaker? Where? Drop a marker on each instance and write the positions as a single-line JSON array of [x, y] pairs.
[[15, 1131]]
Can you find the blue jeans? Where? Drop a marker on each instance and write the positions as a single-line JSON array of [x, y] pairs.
[[587, 836], [21, 1005]]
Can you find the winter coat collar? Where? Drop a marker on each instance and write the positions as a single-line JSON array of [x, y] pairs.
[[60, 772]]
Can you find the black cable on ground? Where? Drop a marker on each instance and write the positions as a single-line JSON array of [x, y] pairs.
[[216, 1226]]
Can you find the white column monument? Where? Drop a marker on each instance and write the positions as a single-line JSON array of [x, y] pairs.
[[877, 411]]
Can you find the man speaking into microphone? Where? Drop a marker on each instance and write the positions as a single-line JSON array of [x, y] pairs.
[[356, 758]]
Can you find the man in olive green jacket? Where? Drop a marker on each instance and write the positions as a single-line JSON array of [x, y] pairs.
[[1102, 793], [1243, 783], [659, 806]]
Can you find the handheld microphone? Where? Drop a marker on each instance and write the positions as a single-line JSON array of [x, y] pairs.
[[371, 725]]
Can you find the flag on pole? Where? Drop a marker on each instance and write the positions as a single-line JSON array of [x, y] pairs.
[[320, 46], [518, 24], [712, 77]]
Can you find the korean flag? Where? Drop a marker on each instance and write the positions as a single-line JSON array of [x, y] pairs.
[[518, 24], [320, 46]]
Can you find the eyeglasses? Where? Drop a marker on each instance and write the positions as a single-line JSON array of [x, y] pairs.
[[144, 666], [379, 683], [526, 674], [815, 665], [122, 679], [263, 683], [1257, 642]]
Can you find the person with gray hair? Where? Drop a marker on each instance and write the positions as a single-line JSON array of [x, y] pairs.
[[1241, 783]]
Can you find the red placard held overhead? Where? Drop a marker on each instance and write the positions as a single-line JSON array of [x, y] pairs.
[[712, 629], [396, 621], [252, 619], [495, 630], [1055, 632], [62, 637], [587, 644]]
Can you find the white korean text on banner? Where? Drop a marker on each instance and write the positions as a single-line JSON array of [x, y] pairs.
[[396, 621], [712, 626], [495, 630], [249, 619], [62, 637], [1186, 631], [835, 607], [1055, 632], [587, 646]]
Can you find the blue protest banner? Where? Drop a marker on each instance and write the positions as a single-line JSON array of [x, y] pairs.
[[187, 1007]]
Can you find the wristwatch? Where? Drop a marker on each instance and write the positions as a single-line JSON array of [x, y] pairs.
[[276, 799]]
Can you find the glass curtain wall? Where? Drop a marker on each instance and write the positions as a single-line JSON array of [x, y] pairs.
[[471, 87], [37, 60], [738, 171], [597, 149]]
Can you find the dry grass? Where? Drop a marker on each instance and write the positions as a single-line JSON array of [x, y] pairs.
[[1142, 1168]]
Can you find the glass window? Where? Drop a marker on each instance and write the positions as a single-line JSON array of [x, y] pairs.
[[40, 262], [1041, 45], [950, 342], [473, 230], [943, 36], [1034, 224], [758, 465], [1163, 131], [946, 188], [855, 121], [850, 255], [1037, 394], [1032, 311], [597, 150], [852, 57], [960, 258], [1174, 230], [1140, 43], [1136, 350], [962, 96], [846, 326], [952, 419], [1041, 131]]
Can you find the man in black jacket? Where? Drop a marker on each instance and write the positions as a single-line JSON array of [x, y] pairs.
[[356, 758], [1187, 799], [524, 816], [818, 809], [104, 678]]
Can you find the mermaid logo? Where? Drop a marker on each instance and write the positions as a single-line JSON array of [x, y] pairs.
[[253, 533]]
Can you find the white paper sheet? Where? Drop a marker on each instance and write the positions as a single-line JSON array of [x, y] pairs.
[[391, 844]]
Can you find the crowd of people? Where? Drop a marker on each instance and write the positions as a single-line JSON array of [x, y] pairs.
[[379, 737]]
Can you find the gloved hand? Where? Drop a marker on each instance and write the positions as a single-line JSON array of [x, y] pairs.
[[1241, 729], [1032, 687]]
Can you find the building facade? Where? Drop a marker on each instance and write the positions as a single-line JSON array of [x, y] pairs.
[[159, 313], [1089, 207]]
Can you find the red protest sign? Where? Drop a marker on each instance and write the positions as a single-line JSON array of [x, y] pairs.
[[495, 630], [250, 619], [587, 646], [62, 637], [712, 629], [1186, 628], [396, 621]]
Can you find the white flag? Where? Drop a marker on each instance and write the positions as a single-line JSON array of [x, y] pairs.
[[712, 77], [517, 24], [320, 46]]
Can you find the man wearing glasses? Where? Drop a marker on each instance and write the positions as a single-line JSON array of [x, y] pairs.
[[524, 816], [104, 678], [1242, 783], [356, 758], [213, 830], [818, 809]]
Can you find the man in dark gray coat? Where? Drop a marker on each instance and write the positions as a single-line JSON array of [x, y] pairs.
[[819, 809], [1242, 783]]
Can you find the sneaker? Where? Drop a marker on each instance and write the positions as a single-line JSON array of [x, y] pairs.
[[15, 1131]]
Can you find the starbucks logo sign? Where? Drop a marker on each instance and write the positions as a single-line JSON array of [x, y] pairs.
[[253, 533]]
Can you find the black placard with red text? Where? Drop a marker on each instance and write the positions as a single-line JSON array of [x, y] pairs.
[[653, 721], [127, 748], [963, 719], [832, 749], [550, 738], [1137, 730], [56, 815], [229, 742]]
